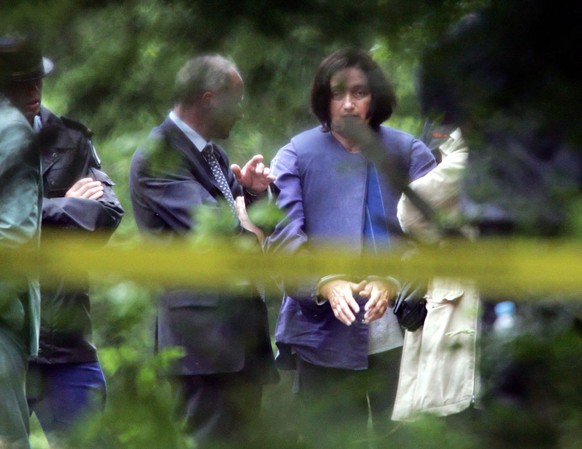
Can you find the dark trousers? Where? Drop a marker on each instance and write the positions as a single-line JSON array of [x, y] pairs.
[[14, 427], [220, 410], [346, 408], [63, 394]]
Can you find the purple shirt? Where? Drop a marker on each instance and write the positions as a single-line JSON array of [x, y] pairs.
[[323, 190]]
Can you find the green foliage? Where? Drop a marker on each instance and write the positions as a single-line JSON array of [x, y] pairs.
[[125, 313], [116, 62], [265, 214], [140, 406], [574, 225], [115, 65]]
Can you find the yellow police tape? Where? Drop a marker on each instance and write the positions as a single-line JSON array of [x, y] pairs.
[[508, 267]]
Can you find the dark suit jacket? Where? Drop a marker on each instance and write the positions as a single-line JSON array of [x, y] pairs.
[[221, 331]]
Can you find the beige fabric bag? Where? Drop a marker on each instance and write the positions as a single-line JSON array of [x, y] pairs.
[[439, 373]]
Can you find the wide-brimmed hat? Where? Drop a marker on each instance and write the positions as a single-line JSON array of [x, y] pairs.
[[21, 60]]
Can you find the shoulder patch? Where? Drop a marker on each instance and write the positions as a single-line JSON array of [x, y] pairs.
[[73, 124]]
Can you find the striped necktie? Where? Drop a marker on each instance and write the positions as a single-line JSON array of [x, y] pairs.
[[208, 153]]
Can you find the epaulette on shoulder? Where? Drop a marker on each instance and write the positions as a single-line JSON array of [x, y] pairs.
[[73, 124]]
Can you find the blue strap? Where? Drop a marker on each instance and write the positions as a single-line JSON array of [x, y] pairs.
[[376, 235]]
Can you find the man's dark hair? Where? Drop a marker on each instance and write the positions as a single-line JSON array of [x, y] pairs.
[[383, 95]]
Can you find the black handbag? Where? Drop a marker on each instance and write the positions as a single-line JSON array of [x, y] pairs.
[[410, 306]]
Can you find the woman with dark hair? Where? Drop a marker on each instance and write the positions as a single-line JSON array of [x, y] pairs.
[[382, 95], [337, 331]]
